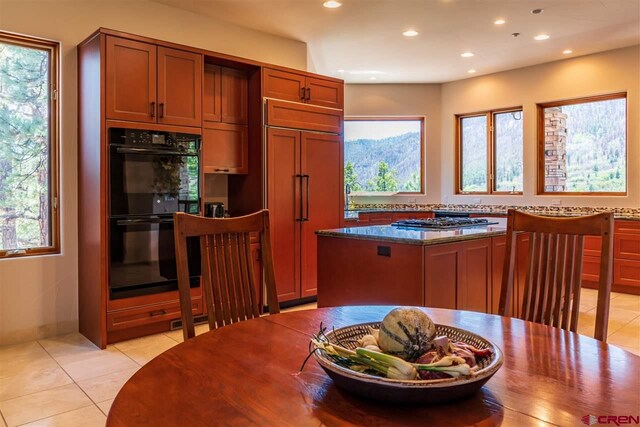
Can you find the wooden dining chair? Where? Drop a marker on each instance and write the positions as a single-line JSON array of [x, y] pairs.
[[228, 281], [554, 268]]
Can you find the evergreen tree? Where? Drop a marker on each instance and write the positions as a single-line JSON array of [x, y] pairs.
[[414, 183], [385, 180], [351, 178]]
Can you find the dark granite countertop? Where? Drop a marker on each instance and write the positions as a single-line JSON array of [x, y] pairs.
[[416, 236]]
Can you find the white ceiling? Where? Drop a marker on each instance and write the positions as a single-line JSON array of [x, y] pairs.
[[366, 35]]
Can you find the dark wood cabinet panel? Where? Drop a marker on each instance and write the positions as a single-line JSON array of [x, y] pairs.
[[322, 199], [475, 286], [211, 96], [225, 148], [592, 245], [234, 94], [498, 253], [282, 85], [325, 93], [130, 80], [179, 87], [283, 164], [305, 117], [377, 218], [442, 269]]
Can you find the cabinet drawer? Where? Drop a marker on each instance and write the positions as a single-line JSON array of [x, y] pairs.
[[591, 268], [626, 246], [629, 227], [138, 316], [303, 116], [626, 272], [592, 246], [376, 218], [412, 215]]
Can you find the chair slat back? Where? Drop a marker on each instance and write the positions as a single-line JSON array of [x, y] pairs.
[[551, 292], [228, 279]]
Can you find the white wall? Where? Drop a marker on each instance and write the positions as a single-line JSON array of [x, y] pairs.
[[607, 72], [38, 295], [403, 100]]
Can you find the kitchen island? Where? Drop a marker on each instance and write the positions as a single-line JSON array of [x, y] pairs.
[[455, 268]]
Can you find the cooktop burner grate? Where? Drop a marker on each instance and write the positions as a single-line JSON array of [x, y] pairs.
[[443, 223]]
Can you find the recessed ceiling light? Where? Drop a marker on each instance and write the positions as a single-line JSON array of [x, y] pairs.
[[467, 54], [499, 21], [410, 33], [537, 11], [341, 71], [332, 4], [541, 37], [372, 78], [365, 72], [567, 51], [471, 71]]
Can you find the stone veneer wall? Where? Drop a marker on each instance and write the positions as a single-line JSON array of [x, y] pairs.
[[555, 150]]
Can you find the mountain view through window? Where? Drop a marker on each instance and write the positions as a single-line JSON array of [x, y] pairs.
[[383, 156]]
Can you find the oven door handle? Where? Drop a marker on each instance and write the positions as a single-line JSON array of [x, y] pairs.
[[144, 221], [130, 150]]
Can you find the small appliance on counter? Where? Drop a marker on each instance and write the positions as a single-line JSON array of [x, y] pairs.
[[214, 210]]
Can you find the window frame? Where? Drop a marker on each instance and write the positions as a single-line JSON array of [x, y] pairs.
[[540, 107], [491, 150], [53, 48], [422, 120]]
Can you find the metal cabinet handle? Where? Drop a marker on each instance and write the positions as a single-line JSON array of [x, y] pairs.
[[158, 313], [306, 218], [221, 170], [153, 109], [161, 110], [301, 207], [308, 94], [302, 93]]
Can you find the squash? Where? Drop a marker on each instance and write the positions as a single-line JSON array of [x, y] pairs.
[[406, 332]]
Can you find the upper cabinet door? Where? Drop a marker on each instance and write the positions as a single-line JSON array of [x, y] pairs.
[[179, 87], [326, 93], [130, 80], [234, 92], [281, 85], [211, 94]]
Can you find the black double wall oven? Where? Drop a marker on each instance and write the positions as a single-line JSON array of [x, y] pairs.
[[151, 175]]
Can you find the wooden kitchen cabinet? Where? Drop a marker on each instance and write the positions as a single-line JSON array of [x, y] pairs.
[[475, 285], [234, 102], [498, 253], [300, 88], [179, 87], [211, 96], [377, 218], [303, 117], [151, 84], [225, 148], [442, 270], [130, 74]]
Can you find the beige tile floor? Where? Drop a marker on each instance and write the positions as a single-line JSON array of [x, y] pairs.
[[67, 381]]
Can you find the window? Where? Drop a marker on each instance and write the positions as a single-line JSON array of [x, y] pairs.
[[490, 152], [28, 146], [582, 146], [384, 155]]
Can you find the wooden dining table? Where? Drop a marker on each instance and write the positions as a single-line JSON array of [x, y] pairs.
[[248, 374]]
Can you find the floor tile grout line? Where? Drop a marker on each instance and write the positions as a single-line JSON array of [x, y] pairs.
[[623, 326], [55, 415]]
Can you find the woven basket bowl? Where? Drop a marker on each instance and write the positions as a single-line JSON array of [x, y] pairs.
[[409, 391]]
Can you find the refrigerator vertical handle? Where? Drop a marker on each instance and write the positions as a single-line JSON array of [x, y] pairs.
[[301, 207], [306, 218]]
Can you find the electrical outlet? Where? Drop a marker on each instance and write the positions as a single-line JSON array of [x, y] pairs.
[[556, 202]]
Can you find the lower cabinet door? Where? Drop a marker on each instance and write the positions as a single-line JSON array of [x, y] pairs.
[[139, 316], [442, 264], [474, 288], [626, 272]]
